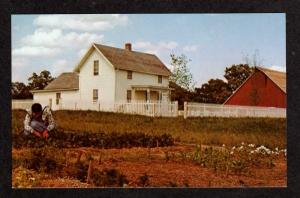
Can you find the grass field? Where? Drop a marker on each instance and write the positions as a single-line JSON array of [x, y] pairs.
[[270, 132]]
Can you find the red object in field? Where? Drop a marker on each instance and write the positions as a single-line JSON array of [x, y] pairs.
[[265, 87]]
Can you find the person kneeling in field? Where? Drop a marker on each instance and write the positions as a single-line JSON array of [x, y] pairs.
[[38, 121]]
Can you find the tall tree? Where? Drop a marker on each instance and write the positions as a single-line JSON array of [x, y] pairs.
[[253, 60], [214, 91], [20, 91], [179, 94], [37, 82], [181, 74], [237, 74]]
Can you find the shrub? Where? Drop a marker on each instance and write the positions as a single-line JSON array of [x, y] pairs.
[[61, 139], [109, 178], [143, 180]]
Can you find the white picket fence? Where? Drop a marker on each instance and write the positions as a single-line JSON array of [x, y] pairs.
[[151, 108], [219, 110], [164, 109], [21, 104]]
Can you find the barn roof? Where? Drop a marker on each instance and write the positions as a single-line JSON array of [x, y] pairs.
[[131, 60], [279, 78], [65, 81]]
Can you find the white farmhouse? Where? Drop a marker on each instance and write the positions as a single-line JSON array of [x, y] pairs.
[[107, 75]]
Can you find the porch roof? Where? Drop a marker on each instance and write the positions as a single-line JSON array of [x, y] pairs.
[[151, 87]]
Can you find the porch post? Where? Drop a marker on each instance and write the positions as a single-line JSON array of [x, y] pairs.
[[160, 95], [133, 95], [148, 94]]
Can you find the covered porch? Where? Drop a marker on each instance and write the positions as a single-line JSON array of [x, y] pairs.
[[150, 93]]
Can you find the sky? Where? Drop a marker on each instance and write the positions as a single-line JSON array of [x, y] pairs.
[[212, 42]]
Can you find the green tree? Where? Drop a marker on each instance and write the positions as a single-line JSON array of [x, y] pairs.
[[179, 94], [20, 91], [37, 82], [237, 74], [214, 91], [181, 74]]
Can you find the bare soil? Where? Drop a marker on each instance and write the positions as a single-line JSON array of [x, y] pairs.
[[163, 172]]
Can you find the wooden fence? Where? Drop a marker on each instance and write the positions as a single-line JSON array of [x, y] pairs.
[[219, 110], [164, 109]]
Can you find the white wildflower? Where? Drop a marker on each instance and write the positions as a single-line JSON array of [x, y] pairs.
[[243, 143], [276, 149], [251, 152], [233, 148], [251, 145], [32, 178], [223, 145], [231, 152]]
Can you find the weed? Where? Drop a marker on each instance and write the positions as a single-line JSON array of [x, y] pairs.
[[109, 178], [143, 180]]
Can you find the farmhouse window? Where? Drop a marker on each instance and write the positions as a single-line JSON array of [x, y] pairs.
[[159, 79], [129, 74], [95, 94], [96, 67], [57, 98], [128, 95]]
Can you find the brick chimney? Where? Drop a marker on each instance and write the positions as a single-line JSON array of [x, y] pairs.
[[128, 46]]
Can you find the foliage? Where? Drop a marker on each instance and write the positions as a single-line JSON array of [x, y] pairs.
[[215, 91], [270, 132], [43, 160], [237, 160], [25, 178], [179, 94], [37, 82], [181, 74], [20, 91], [109, 178], [236, 75], [61, 139]]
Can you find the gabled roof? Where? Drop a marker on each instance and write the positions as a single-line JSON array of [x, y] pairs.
[[130, 60], [279, 78], [65, 81]]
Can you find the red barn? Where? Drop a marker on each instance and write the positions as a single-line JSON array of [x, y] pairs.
[[264, 87]]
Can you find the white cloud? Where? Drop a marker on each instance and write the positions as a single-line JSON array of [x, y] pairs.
[[35, 51], [19, 62], [278, 68], [60, 66], [57, 38], [155, 48], [86, 22], [190, 48]]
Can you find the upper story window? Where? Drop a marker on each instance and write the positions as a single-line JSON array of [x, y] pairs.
[[95, 94], [129, 74], [159, 79], [96, 67]]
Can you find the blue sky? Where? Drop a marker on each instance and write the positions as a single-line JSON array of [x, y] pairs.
[[212, 41]]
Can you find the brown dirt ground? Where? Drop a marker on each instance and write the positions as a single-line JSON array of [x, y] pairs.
[[135, 162]]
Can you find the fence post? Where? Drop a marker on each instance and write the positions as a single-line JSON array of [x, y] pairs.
[[176, 108], [185, 110]]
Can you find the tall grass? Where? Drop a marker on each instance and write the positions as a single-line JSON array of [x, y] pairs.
[[270, 132]]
